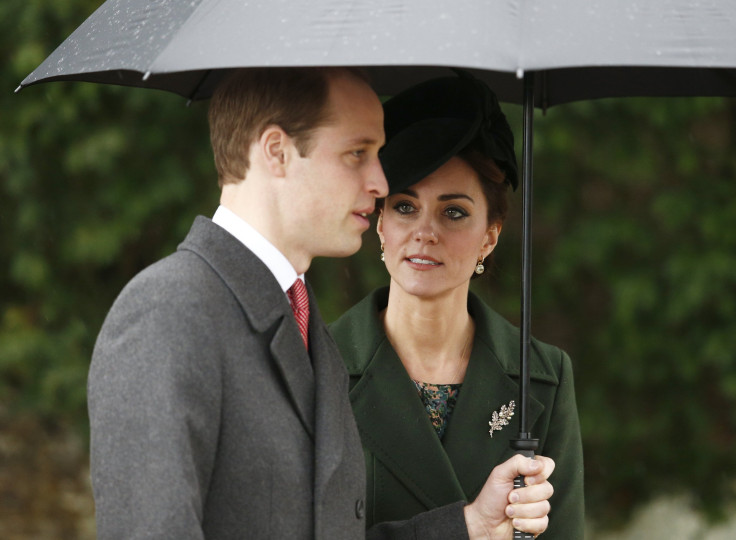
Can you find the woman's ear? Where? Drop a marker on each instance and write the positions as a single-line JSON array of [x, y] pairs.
[[379, 225], [490, 240]]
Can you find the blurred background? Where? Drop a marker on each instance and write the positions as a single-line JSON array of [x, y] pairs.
[[634, 275]]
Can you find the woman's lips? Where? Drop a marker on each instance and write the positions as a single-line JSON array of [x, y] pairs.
[[420, 261]]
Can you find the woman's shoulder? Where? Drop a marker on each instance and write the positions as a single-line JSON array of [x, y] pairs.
[[547, 361], [358, 331]]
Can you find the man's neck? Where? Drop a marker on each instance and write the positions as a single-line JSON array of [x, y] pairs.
[[260, 209]]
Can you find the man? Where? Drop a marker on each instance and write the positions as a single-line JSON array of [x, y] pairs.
[[218, 406]]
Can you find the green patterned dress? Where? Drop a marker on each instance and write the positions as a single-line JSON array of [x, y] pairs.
[[439, 400]]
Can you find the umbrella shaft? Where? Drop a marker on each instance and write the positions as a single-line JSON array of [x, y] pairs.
[[526, 255]]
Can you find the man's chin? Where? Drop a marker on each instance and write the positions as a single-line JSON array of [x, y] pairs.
[[346, 249]]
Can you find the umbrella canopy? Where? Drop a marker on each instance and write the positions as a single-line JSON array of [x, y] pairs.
[[583, 48], [576, 49]]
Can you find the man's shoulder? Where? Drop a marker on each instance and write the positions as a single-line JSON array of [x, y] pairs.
[[182, 276], [174, 284], [206, 256]]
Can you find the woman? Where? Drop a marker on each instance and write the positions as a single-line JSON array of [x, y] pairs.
[[433, 369]]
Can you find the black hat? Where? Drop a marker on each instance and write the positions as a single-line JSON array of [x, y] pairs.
[[431, 122]]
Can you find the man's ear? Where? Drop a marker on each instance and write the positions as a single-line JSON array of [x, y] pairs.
[[273, 146]]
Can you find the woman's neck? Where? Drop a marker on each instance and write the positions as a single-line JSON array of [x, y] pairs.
[[432, 336]]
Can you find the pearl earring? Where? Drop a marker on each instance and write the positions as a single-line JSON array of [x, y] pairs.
[[382, 257], [479, 268]]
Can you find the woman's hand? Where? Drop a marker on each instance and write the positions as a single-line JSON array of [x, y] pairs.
[[500, 508]]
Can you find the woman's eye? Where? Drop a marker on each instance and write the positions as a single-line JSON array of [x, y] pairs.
[[358, 153], [404, 208], [456, 213]]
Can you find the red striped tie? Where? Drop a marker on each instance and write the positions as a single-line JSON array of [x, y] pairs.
[[299, 299]]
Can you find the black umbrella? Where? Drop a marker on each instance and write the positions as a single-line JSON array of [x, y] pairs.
[[538, 52], [581, 49]]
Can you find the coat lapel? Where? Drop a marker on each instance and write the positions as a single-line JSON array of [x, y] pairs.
[[292, 360], [265, 306], [490, 383], [469, 446], [395, 427], [331, 393]]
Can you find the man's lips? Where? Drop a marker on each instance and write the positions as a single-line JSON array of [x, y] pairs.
[[362, 215]]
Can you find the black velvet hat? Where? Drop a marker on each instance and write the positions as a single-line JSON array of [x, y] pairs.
[[431, 122]]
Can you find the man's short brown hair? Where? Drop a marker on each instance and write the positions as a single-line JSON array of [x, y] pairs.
[[249, 100]]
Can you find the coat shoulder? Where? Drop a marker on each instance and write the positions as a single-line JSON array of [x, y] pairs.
[[358, 332], [504, 339]]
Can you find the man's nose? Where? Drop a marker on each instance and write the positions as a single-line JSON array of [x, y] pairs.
[[376, 181]]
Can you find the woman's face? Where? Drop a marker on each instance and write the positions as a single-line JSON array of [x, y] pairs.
[[434, 231]]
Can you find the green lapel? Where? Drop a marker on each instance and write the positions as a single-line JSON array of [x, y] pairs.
[[469, 446], [490, 383], [395, 427]]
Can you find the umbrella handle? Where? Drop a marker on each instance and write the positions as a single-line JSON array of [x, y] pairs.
[[524, 446], [519, 483]]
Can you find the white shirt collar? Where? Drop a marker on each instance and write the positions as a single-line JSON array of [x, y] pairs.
[[276, 262]]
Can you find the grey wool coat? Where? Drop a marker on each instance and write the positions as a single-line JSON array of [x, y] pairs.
[[210, 420]]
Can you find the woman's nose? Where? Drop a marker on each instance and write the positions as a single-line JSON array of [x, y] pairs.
[[425, 233]]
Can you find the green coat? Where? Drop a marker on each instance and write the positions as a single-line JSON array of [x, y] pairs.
[[409, 469]]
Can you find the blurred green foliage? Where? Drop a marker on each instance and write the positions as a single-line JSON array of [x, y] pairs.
[[95, 183], [634, 255], [637, 262]]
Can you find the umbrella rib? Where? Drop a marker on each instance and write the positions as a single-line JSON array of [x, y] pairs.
[[199, 85]]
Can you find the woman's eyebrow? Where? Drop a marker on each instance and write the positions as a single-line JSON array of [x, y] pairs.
[[451, 196], [445, 197]]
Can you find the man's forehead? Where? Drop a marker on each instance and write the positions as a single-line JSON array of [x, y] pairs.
[[351, 133], [353, 111], [355, 129], [345, 89]]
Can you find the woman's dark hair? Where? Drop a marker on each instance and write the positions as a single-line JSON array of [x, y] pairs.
[[495, 188], [492, 180]]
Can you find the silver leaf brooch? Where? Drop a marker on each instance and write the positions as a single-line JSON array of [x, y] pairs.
[[501, 417]]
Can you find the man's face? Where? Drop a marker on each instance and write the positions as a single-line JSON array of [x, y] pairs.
[[335, 186]]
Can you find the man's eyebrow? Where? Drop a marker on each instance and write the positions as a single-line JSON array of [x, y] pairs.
[[365, 141]]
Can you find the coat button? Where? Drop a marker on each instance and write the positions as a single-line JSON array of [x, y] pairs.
[[360, 509]]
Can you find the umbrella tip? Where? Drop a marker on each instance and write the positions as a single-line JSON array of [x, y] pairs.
[[146, 75], [519, 73], [18, 89]]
